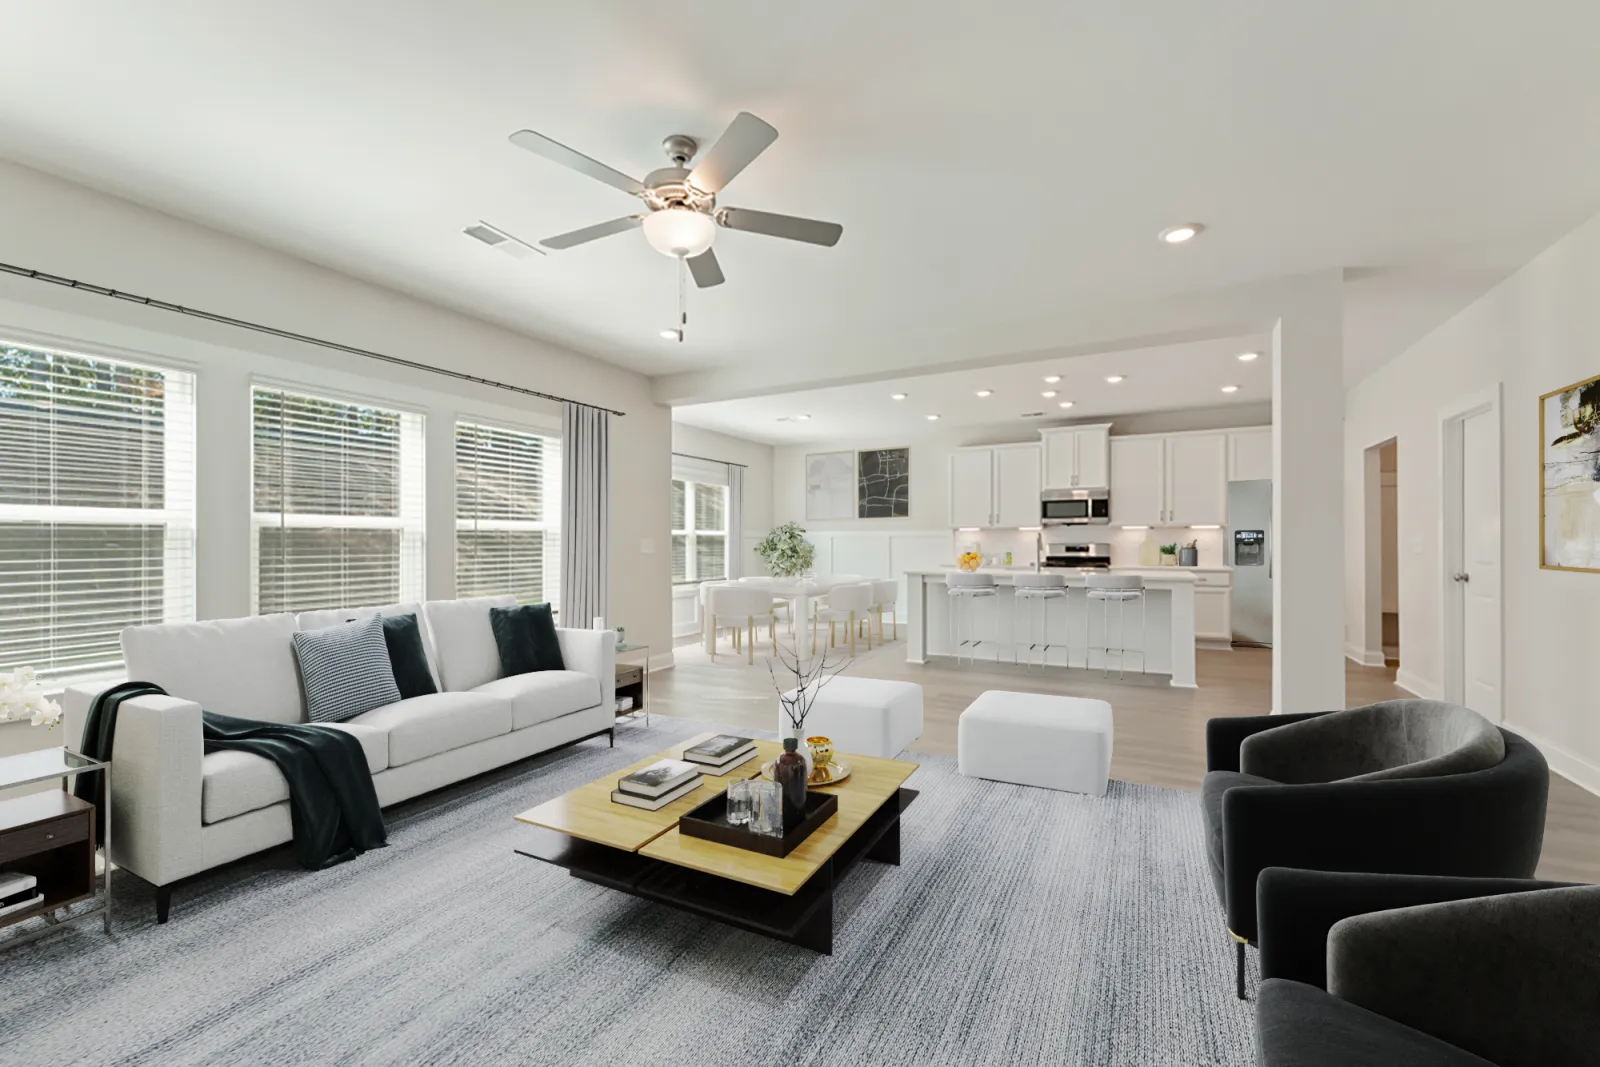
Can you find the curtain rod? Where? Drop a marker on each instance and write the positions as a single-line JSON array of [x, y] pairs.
[[227, 320], [708, 459]]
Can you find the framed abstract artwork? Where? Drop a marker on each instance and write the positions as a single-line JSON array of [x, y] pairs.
[[830, 485], [1569, 472], [883, 483]]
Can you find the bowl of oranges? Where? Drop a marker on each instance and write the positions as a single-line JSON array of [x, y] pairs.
[[969, 561]]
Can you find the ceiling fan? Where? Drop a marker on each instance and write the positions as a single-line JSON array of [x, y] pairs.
[[683, 216]]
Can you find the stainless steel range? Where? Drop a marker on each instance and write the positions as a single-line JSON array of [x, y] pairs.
[[1065, 549]]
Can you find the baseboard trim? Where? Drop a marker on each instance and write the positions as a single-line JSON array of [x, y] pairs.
[[1363, 657], [1214, 644], [1416, 686], [663, 661], [1581, 772]]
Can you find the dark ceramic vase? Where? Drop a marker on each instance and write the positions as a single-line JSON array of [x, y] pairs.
[[790, 774]]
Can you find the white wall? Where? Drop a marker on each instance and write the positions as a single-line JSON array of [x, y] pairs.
[[55, 226], [1537, 331]]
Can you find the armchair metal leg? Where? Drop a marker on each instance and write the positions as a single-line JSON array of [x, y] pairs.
[[163, 902]]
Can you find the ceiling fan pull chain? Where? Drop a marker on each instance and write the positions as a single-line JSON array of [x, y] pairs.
[[683, 299]]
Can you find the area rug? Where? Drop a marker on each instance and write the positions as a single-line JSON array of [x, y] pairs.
[[1023, 926]]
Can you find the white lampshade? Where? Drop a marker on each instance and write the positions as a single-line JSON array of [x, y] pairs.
[[679, 231]]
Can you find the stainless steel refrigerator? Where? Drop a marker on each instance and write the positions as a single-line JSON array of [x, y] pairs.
[[1250, 554]]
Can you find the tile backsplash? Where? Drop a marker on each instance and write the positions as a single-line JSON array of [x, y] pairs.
[[1129, 548]]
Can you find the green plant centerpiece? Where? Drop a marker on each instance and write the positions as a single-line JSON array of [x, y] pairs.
[[785, 550]]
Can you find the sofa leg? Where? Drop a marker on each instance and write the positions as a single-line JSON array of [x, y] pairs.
[[1240, 946], [611, 737], [163, 902]]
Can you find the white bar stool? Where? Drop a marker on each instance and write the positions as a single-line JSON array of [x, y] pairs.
[[1107, 588], [1030, 604], [966, 588]]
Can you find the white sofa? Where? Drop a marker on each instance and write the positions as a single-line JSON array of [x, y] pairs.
[[178, 811]]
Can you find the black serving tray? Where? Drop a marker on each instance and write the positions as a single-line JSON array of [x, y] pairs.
[[710, 822]]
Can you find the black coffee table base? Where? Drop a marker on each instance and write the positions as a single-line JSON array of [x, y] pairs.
[[804, 919]]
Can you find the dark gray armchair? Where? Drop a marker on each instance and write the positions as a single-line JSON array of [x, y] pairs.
[[1427, 972], [1401, 787]]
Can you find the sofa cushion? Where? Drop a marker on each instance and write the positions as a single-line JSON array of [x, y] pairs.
[[526, 639], [233, 783], [345, 670], [544, 695], [1215, 784], [240, 667], [1301, 1026], [426, 726], [464, 642], [322, 618]]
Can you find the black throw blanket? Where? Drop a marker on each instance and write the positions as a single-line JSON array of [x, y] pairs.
[[332, 803]]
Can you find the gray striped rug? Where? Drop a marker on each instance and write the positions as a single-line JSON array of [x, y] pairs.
[[1023, 927]]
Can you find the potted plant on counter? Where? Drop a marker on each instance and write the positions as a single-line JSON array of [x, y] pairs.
[[1169, 555]]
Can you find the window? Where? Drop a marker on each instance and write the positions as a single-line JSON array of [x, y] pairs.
[[508, 513], [699, 531], [338, 503], [96, 507]]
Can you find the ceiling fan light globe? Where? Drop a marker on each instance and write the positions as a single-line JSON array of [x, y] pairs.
[[679, 232]]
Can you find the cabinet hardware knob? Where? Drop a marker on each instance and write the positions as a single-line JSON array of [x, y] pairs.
[[49, 837]]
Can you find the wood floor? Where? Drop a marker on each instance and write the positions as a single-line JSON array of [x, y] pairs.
[[1160, 731]]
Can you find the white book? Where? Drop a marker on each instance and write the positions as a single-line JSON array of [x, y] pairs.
[[655, 803], [23, 905], [660, 777]]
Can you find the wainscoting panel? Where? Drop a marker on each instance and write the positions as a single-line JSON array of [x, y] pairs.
[[866, 554]]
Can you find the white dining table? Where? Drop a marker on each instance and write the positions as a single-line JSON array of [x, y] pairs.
[[799, 592]]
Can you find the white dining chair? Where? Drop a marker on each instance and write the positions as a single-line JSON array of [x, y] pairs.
[[847, 604], [885, 594], [742, 609]]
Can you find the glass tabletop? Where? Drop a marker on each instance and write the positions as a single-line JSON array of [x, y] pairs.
[[43, 765], [626, 647]]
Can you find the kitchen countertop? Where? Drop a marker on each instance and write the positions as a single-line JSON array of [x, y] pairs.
[[1074, 575]]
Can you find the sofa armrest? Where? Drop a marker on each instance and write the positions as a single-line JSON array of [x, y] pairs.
[[1512, 978], [1295, 910], [1224, 736], [75, 701], [155, 788], [592, 652]]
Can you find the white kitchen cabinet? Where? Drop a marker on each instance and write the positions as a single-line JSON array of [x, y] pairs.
[[1197, 479], [1138, 481], [1250, 454], [996, 486], [1076, 457], [1016, 485], [972, 487], [1213, 614]]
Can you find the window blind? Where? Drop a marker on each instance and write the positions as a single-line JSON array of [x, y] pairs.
[[338, 505], [508, 513], [96, 507], [699, 531]]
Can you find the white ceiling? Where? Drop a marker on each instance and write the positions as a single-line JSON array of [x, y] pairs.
[[1170, 378], [991, 166]]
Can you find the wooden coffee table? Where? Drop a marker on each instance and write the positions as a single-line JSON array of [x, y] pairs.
[[641, 852]]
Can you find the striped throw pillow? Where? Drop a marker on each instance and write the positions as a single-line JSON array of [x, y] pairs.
[[345, 669]]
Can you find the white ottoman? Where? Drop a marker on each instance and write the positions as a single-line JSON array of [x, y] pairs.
[[864, 715], [1036, 739]]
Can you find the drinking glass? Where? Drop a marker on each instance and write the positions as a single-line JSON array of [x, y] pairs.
[[739, 803], [766, 808]]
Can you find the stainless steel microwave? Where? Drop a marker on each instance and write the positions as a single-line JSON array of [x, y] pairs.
[[1074, 507]]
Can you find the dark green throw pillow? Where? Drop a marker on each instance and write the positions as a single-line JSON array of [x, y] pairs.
[[526, 637], [408, 658]]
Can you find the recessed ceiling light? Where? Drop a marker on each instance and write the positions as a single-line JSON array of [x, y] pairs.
[[1048, 393], [986, 392], [933, 418], [1246, 357], [897, 396], [670, 335], [801, 418], [1113, 378], [1230, 388], [1181, 233], [1052, 378], [1064, 404]]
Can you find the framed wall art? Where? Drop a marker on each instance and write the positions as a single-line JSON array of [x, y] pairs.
[[1569, 473]]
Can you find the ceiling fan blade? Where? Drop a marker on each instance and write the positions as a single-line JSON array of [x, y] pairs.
[[592, 233], [788, 227], [495, 237], [706, 270], [745, 138], [556, 152]]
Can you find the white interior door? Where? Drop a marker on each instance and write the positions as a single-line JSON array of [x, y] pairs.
[[1479, 577], [1016, 493]]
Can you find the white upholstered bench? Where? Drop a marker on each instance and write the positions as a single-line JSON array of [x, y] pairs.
[[1055, 742], [868, 716]]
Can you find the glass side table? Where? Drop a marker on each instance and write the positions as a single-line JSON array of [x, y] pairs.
[[51, 834], [640, 689]]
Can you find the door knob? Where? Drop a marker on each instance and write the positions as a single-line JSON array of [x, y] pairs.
[[1463, 577]]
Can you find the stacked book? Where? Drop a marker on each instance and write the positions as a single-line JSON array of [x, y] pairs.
[[657, 785], [722, 753]]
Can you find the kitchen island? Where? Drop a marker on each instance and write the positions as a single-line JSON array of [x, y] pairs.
[[1073, 623]]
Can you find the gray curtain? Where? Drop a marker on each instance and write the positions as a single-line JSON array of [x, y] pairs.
[[585, 515], [735, 521]]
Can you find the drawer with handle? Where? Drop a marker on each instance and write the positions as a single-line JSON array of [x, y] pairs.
[[628, 674], [40, 837]]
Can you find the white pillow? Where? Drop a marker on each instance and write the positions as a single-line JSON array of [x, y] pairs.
[[464, 641]]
